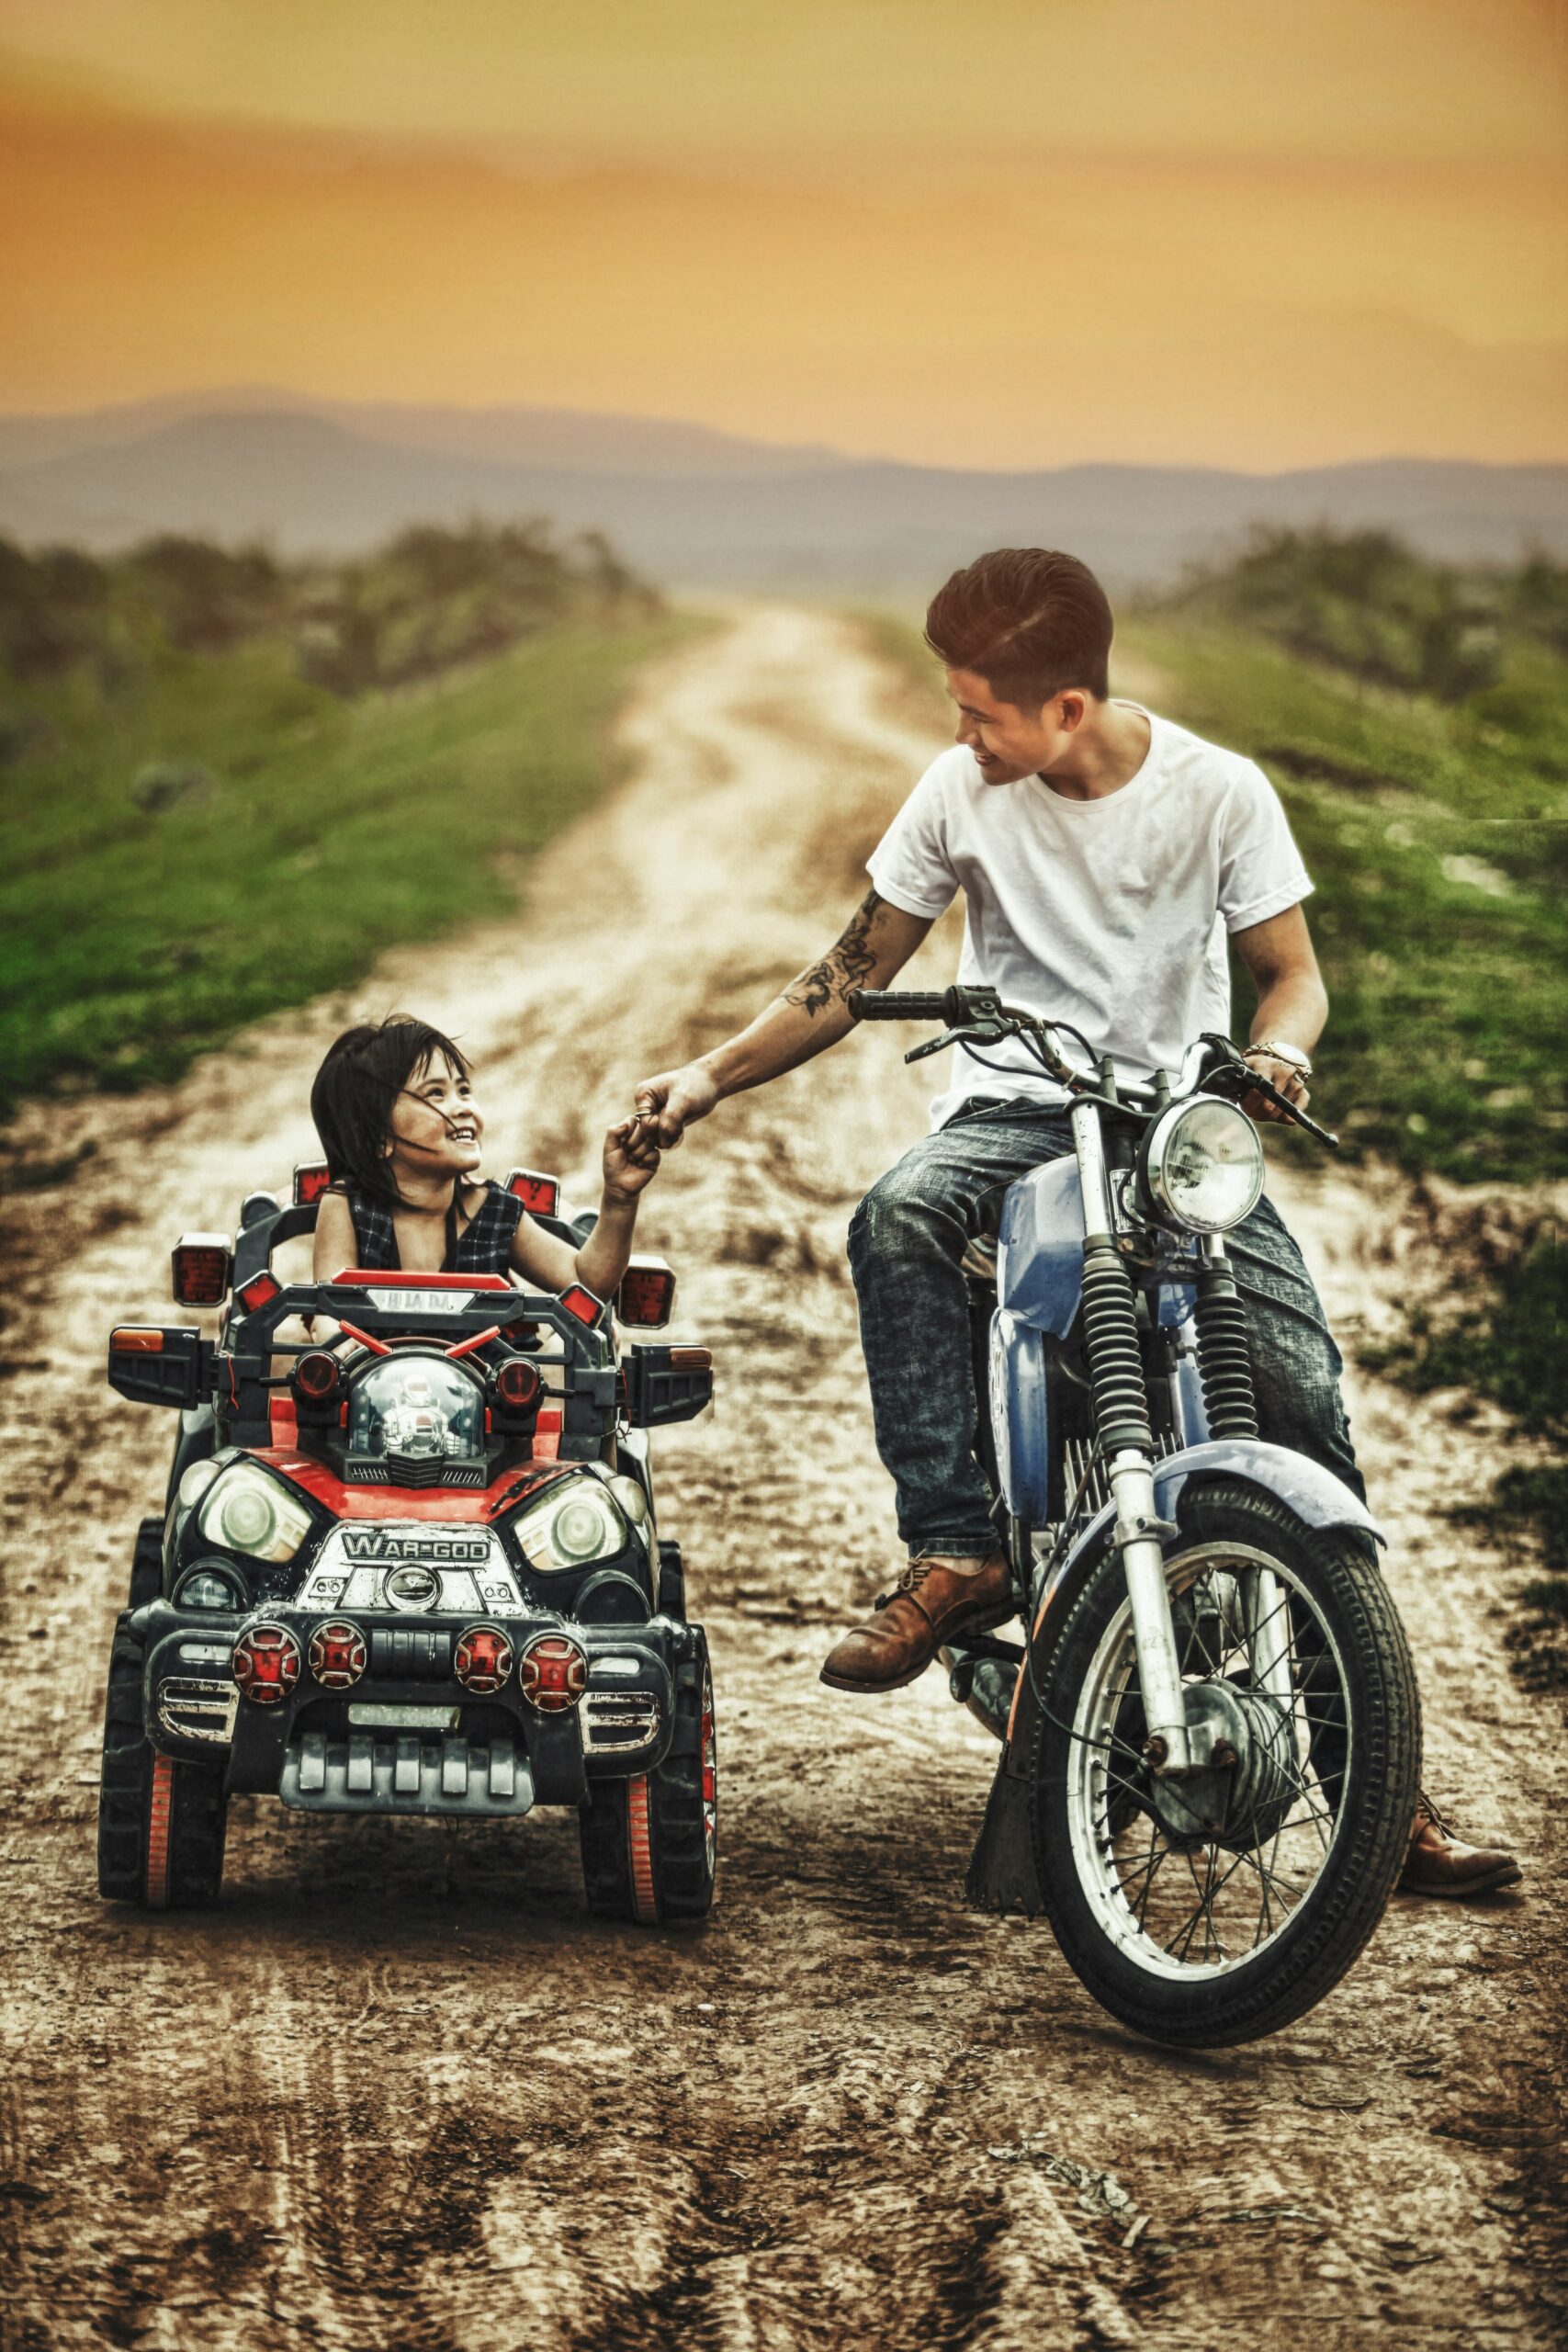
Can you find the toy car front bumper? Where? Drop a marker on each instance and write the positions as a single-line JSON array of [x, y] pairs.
[[408, 1737]]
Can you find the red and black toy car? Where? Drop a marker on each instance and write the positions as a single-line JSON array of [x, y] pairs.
[[411, 1567]]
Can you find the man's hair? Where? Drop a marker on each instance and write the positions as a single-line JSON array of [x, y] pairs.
[[365, 1071], [1029, 621]]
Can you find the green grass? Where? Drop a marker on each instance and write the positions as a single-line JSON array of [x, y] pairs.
[[191, 840], [1438, 838]]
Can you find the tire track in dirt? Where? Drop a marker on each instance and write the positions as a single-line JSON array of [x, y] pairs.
[[398, 2090]]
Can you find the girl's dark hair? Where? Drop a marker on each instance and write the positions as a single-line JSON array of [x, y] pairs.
[[1029, 621], [366, 1071]]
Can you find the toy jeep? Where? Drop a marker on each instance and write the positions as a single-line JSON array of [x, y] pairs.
[[409, 1564]]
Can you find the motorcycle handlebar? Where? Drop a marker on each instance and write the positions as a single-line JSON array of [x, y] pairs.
[[955, 1005]]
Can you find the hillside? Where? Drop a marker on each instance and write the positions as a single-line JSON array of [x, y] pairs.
[[698, 507]]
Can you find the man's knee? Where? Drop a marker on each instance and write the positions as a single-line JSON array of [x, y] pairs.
[[913, 1208]]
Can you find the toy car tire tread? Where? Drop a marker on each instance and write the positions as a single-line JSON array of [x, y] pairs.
[[162, 1822], [674, 1880], [147, 1564]]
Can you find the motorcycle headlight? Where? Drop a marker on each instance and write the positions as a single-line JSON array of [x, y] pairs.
[[248, 1510], [1204, 1165], [574, 1523]]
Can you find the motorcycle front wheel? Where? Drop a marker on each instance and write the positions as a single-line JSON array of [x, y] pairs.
[[1218, 1910]]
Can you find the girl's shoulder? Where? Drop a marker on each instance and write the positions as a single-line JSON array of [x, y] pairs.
[[485, 1244]]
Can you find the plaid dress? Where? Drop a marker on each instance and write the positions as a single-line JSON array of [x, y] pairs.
[[484, 1247]]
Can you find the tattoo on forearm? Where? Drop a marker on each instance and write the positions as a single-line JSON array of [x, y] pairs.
[[843, 967]]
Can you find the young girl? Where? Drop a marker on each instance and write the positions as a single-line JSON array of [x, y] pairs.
[[394, 1107]]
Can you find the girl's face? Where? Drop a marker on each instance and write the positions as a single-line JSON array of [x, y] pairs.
[[437, 1126]]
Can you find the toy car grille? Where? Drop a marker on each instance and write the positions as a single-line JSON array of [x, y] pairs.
[[413, 1470], [614, 1720], [191, 1706]]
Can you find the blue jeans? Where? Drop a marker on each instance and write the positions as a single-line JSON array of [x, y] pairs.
[[906, 1240]]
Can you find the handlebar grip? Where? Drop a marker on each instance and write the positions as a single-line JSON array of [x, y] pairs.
[[898, 1004]]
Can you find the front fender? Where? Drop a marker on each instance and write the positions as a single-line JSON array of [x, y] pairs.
[[1315, 1494]]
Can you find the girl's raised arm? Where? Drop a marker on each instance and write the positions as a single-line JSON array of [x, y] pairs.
[[543, 1260], [336, 1242]]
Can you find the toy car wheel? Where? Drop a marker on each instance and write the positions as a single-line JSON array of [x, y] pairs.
[[672, 1580], [161, 1821], [650, 1844], [147, 1565]]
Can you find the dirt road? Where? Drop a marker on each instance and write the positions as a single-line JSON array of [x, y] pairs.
[[397, 2094]]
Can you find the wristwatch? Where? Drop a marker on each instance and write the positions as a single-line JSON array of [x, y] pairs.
[[1278, 1051]]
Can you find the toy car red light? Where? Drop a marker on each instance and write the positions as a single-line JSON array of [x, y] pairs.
[[517, 1385], [647, 1296], [258, 1291], [266, 1664], [482, 1660], [310, 1181], [539, 1193], [582, 1304], [337, 1655], [553, 1673], [203, 1269], [316, 1375]]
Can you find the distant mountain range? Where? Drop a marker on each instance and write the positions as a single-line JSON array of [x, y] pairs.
[[695, 507]]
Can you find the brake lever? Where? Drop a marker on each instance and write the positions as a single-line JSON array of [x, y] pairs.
[[974, 1032], [933, 1045], [1256, 1085]]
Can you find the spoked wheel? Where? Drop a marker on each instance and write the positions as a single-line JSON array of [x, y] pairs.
[[650, 1844], [1218, 1907], [162, 1821]]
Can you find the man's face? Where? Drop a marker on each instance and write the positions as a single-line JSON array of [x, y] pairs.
[[1008, 741]]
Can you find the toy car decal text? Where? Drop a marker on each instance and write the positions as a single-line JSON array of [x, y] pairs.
[[377, 1546]]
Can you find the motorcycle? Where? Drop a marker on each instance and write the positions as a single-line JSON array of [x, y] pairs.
[[1210, 1734]]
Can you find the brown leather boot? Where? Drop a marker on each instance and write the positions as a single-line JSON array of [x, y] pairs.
[[937, 1595], [1440, 1863]]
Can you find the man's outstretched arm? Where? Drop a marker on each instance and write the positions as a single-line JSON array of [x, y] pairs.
[[812, 1013]]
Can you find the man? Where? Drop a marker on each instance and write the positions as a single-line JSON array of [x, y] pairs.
[[1105, 855]]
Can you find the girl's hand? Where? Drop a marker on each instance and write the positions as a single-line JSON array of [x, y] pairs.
[[631, 1156]]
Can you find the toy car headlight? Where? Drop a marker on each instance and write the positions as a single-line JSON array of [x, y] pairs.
[[1202, 1165], [212, 1584], [575, 1523], [248, 1510]]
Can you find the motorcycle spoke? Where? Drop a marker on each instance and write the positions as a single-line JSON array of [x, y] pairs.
[[1205, 1910], [1269, 1885], [1138, 1904]]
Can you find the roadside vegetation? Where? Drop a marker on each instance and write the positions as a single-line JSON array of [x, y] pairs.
[[226, 783], [1414, 720]]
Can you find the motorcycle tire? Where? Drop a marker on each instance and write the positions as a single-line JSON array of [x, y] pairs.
[[1359, 1729], [162, 1820], [650, 1844]]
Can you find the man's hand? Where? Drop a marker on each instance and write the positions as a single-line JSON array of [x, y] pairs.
[[668, 1103], [1289, 1081]]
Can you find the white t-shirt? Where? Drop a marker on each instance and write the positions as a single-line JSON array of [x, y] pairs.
[[1109, 914]]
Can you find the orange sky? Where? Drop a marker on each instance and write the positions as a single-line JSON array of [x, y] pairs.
[[1262, 232]]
